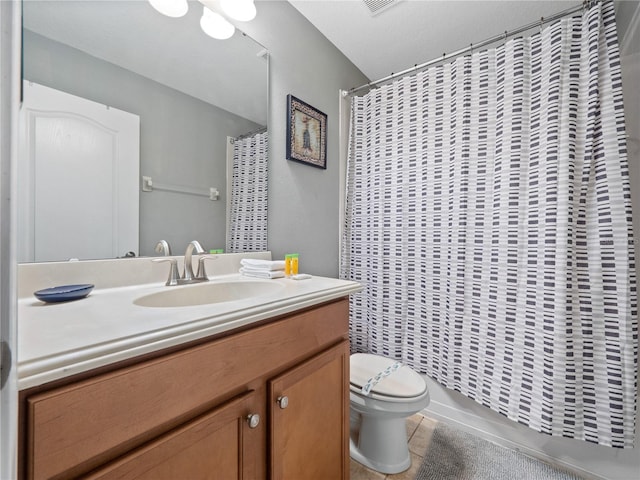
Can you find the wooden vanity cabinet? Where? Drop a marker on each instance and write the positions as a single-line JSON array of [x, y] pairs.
[[270, 401]]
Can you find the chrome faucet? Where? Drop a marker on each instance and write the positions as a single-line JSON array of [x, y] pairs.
[[187, 275], [163, 247]]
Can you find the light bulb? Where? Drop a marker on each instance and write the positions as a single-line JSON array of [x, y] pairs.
[[170, 8], [214, 25], [241, 10]]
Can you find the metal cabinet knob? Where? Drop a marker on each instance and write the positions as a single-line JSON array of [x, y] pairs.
[[253, 420], [283, 401]]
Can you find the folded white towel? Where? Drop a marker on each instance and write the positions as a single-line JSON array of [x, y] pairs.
[[262, 264], [258, 273]]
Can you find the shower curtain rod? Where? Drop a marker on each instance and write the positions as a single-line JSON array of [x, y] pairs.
[[251, 134], [473, 46]]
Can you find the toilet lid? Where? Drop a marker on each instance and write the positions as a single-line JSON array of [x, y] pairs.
[[403, 382]]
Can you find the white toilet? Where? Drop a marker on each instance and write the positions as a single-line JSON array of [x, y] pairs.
[[378, 427]]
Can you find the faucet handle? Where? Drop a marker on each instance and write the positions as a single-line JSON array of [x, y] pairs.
[[174, 276], [202, 274]]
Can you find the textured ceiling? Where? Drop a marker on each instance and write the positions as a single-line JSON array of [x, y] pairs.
[[131, 34], [415, 31]]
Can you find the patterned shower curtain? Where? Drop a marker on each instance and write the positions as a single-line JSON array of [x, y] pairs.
[[248, 210], [488, 216]]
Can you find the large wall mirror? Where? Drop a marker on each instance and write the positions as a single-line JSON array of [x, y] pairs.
[[192, 93]]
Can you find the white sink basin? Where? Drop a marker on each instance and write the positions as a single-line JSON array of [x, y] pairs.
[[207, 293]]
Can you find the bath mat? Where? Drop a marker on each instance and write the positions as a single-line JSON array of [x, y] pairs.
[[457, 455]]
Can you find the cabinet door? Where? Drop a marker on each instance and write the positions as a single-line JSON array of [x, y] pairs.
[[310, 418], [221, 444]]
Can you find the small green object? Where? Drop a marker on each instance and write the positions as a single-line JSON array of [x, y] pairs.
[[217, 250]]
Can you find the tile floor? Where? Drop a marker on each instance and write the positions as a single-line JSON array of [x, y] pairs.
[[419, 431]]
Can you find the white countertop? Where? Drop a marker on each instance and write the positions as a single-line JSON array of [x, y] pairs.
[[60, 339]]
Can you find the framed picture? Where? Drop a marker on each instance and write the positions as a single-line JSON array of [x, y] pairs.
[[306, 133]]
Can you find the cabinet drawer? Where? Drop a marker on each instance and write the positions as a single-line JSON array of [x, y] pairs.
[[218, 444], [76, 428]]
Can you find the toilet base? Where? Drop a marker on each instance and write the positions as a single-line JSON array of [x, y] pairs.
[[379, 444]]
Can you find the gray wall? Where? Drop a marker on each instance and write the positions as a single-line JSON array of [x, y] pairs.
[[182, 140], [303, 201], [303, 216]]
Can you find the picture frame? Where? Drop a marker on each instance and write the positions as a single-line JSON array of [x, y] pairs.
[[306, 133]]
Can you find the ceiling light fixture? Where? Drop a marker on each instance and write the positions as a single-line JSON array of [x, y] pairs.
[[241, 10], [213, 21], [215, 25], [170, 8]]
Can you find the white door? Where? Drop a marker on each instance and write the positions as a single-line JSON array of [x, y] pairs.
[[77, 178]]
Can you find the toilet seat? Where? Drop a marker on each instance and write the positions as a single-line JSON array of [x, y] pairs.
[[401, 385]]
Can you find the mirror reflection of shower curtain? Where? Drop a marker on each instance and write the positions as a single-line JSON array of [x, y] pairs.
[[249, 189], [488, 216]]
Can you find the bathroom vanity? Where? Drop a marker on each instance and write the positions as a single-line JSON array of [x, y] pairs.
[[262, 392]]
